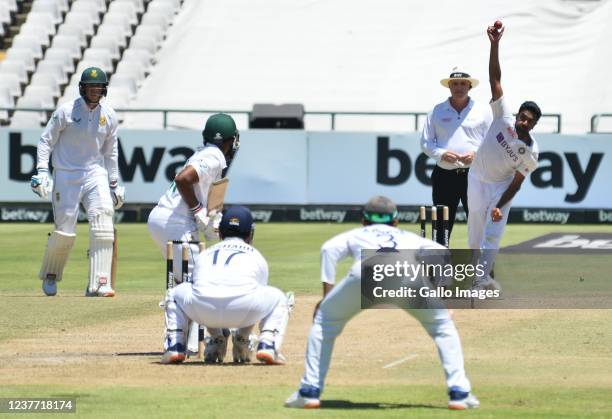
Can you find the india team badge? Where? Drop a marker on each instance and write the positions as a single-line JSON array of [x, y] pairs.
[[102, 121]]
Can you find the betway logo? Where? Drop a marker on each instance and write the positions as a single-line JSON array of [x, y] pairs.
[[574, 241], [261, 215], [22, 214], [605, 216], [543, 216], [320, 214]]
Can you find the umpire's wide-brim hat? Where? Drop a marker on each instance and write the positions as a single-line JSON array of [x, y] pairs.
[[459, 74]]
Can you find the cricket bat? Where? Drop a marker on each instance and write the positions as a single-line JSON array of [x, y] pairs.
[[216, 194], [114, 260]]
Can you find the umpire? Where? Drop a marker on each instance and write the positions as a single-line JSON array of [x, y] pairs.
[[451, 136]]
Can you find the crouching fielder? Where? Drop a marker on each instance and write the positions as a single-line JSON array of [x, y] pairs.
[[81, 138], [229, 290], [340, 303]]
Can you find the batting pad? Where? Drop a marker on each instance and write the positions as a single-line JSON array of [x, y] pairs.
[[56, 255], [101, 239]]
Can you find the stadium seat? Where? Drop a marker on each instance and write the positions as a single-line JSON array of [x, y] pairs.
[[143, 42], [126, 9], [73, 30], [83, 20], [24, 55], [30, 29], [6, 101], [156, 18], [54, 67], [44, 93], [25, 119], [11, 81], [46, 80], [32, 102], [10, 66], [167, 6], [5, 15], [24, 41], [132, 69], [99, 57], [69, 42], [50, 7], [141, 57], [124, 81], [99, 5], [61, 54], [113, 31], [43, 21], [86, 7], [151, 31], [12, 6], [108, 43], [138, 5], [121, 21]]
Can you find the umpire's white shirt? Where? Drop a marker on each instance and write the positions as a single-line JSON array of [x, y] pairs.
[[208, 162], [375, 236], [80, 139], [448, 130], [230, 268], [502, 153]]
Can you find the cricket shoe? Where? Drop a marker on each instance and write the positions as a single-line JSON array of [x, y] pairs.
[[174, 354], [290, 301], [267, 354], [486, 284], [461, 400], [307, 397], [49, 287], [215, 349], [242, 347]]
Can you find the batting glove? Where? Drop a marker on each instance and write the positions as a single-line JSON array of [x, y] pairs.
[[117, 194], [200, 216], [212, 229], [41, 183]]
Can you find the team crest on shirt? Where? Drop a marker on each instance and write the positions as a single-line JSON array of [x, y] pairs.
[[521, 150], [102, 120]]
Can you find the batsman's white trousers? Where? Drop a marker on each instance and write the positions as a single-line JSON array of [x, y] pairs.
[[266, 305], [483, 233], [79, 186], [165, 225], [343, 302]]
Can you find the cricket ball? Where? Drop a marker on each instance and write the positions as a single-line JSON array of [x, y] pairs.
[[497, 25]]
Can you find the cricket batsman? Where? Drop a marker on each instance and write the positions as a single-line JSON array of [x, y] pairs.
[[81, 140], [506, 156]]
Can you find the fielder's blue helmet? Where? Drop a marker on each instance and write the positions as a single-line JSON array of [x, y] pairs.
[[237, 221]]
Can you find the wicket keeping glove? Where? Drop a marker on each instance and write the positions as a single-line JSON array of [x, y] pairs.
[[117, 194], [41, 183]]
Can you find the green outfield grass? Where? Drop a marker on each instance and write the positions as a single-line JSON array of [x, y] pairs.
[[528, 363]]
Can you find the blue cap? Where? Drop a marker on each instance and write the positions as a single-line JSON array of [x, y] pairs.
[[236, 221]]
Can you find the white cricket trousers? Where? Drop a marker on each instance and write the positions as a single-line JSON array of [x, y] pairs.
[[165, 225], [343, 302], [264, 304], [79, 186], [483, 233]]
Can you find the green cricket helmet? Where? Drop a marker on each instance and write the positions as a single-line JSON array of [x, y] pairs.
[[93, 75], [219, 129]]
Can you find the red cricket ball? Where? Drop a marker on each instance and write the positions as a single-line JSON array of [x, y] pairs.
[[497, 25]]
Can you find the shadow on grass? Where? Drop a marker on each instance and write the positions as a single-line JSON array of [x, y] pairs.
[[345, 404]]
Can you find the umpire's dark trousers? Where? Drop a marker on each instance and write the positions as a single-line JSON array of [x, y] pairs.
[[448, 188]]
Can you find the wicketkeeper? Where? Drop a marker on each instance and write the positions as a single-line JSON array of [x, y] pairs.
[[81, 140], [229, 290]]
